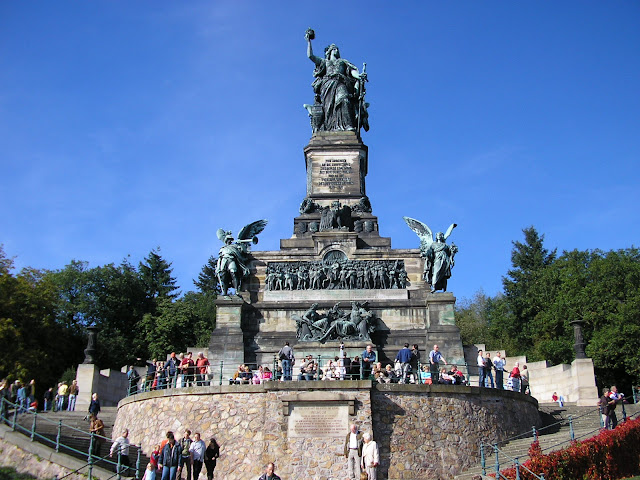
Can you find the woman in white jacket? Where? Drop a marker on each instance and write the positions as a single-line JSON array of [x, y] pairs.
[[370, 457]]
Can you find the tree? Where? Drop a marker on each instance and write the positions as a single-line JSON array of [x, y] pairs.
[[113, 297], [155, 273], [471, 318], [28, 325], [208, 281], [522, 297], [187, 322]]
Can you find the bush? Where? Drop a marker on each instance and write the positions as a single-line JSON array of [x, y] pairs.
[[9, 473], [611, 455]]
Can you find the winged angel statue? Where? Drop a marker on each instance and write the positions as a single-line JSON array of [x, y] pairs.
[[232, 267], [438, 255]]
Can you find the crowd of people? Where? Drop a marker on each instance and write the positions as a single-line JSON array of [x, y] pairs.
[[160, 375], [20, 393], [24, 396], [171, 457], [517, 379], [406, 368]]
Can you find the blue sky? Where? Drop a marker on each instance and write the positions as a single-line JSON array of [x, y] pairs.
[[130, 125]]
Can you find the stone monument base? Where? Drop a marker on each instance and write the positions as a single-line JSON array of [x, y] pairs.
[[423, 431]]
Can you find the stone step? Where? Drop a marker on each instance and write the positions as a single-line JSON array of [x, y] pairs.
[[74, 434]]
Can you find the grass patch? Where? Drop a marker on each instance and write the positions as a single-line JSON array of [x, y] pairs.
[[7, 473]]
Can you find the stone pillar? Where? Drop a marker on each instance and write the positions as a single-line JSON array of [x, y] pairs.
[[585, 392], [579, 342], [227, 340], [88, 377], [442, 329]]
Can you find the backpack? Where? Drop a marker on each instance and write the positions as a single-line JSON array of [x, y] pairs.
[[185, 443]]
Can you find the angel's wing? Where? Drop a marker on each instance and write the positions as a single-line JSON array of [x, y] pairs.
[[251, 230], [449, 230], [221, 234], [421, 229]]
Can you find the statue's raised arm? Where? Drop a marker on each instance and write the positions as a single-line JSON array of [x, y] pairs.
[[339, 91]]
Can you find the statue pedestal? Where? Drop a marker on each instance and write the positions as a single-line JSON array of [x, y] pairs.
[[227, 342]]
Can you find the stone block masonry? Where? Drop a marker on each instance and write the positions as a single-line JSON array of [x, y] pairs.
[[424, 432]]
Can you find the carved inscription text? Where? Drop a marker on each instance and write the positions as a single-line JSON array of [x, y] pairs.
[[318, 420], [335, 173]]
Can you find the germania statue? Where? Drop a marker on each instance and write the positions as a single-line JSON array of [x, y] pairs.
[[232, 267], [437, 254], [339, 92]]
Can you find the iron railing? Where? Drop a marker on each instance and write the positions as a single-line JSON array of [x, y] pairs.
[[9, 413]]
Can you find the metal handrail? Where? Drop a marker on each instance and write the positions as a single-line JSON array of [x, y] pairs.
[[516, 464], [11, 420], [537, 431], [516, 461]]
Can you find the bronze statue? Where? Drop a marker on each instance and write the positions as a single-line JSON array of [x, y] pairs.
[[232, 267], [439, 257], [336, 324], [339, 92]]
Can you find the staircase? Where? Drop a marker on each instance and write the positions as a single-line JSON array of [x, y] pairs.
[[552, 435], [74, 434]]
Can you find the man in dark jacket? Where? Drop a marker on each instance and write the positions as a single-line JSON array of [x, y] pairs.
[[404, 357], [171, 367], [269, 473], [171, 459]]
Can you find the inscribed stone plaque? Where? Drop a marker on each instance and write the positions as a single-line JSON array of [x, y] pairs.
[[335, 175], [318, 420]]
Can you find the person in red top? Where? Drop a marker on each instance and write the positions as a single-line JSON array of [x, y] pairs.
[[202, 369], [187, 366], [152, 468], [515, 377]]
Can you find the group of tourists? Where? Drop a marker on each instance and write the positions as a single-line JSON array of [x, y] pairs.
[[608, 401], [161, 375], [173, 456], [20, 393], [517, 380]]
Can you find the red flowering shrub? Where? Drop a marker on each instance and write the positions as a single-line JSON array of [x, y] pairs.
[[611, 455]]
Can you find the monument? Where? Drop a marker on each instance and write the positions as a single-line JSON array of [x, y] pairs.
[[335, 285], [335, 279]]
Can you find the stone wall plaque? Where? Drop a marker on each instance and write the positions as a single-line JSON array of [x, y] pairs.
[[318, 420]]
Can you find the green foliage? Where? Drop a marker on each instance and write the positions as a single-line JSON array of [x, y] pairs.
[[68, 376], [9, 473], [155, 274], [545, 292], [207, 281], [28, 325], [181, 324], [523, 295], [471, 318]]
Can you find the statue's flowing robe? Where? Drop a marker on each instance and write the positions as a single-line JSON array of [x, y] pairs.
[[336, 88], [440, 258]]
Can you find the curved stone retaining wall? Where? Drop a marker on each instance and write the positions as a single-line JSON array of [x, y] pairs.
[[423, 431]]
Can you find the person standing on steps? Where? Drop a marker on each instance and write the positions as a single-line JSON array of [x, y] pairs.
[[481, 369], [435, 357], [286, 356], [498, 364]]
